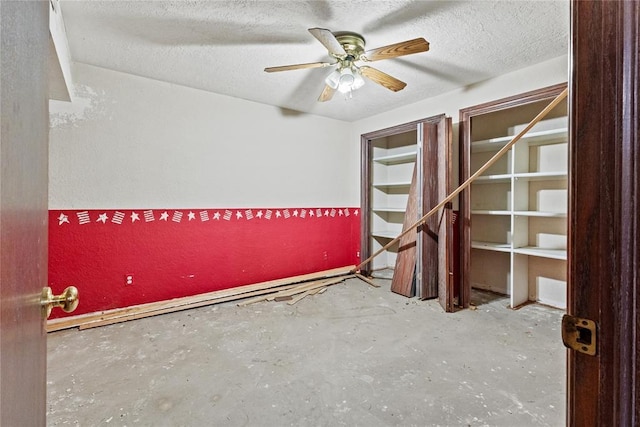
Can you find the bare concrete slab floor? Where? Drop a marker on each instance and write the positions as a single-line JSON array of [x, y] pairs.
[[353, 356]]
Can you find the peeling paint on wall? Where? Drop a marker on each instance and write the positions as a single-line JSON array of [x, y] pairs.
[[86, 104]]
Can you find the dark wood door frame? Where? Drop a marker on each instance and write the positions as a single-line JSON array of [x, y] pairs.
[[436, 133], [604, 198], [366, 154]]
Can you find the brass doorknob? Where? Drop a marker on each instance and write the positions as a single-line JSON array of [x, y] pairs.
[[67, 300]]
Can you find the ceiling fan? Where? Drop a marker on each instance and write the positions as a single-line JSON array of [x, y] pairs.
[[347, 48]]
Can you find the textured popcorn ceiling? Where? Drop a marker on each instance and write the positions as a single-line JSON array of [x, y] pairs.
[[224, 46]]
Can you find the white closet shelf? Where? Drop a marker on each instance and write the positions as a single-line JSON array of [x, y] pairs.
[[540, 176], [397, 158], [553, 136], [560, 254], [491, 246], [492, 179], [387, 209], [546, 214], [393, 184], [547, 137], [490, 212], [385, 234]]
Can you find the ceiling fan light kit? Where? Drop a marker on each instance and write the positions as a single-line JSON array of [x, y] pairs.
[[347, 48], [345, 79]]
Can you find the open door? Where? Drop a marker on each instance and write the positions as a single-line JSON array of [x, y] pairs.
[[24, 130], [604, 191]]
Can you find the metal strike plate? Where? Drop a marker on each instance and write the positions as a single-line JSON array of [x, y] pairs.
[[579, 334]]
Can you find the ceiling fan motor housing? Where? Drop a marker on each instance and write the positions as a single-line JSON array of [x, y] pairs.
[[353, 44]]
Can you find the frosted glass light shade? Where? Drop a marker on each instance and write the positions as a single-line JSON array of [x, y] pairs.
[[344, 80], [358, 81], [333, 79]]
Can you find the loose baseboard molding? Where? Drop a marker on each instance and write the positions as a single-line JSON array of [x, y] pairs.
[[367, 280], [306, 294], [108, 317], [281, 294]]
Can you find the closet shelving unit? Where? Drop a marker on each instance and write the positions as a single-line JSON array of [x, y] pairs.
[[393, 160], [514, 232]]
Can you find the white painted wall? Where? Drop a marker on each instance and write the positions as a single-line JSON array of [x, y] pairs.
[[130, 142]]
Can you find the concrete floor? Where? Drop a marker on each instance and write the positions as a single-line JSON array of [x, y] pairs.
[[354, 356]]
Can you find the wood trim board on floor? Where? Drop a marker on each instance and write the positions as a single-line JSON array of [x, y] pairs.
[[107, 317]]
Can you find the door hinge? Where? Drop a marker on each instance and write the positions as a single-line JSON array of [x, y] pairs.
[[579, 334]]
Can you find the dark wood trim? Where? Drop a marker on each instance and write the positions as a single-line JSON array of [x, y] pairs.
[[548, 92], [405, 127], [365, 201], [446, 255], [604, 227], [464, 134]]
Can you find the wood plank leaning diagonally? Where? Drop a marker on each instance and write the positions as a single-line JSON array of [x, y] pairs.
[[404, 271]]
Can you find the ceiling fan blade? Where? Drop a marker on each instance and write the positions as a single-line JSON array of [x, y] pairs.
[[383, 79], [329, 41], [298, 66], [326, 94], [408, 47]]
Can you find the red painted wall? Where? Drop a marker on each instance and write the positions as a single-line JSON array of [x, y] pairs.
[[174, 253]]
